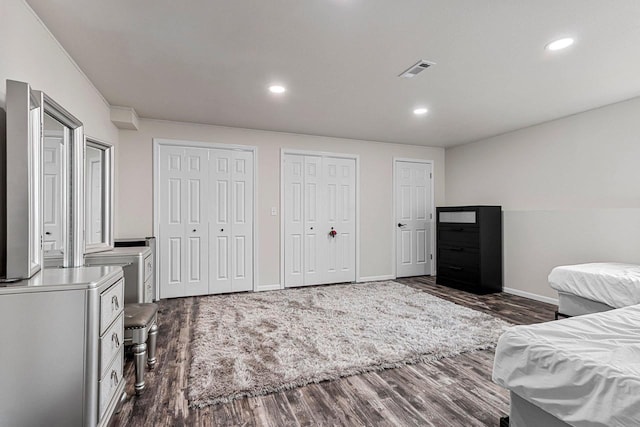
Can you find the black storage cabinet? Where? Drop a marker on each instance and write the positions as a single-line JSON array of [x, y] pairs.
[[469, 248]]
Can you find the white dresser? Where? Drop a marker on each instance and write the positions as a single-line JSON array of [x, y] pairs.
[[137, 262], [138, 265], [61, 347]]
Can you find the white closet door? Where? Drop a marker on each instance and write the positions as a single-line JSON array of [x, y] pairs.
[[293, 219], [231, 217], [183, 222], [242, 221], [315, 242], [319, 193], [340, 212], [53, 147], [220, 219], [414, 214]]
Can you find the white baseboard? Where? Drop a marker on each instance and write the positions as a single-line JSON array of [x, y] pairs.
[[529, 295], [376, 278], [273, 287]]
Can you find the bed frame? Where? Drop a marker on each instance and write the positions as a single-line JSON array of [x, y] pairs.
[[570, 305], [525, 414]]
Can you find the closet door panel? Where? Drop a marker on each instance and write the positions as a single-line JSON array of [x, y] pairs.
[[315, 241], [183, 223], [340, 208], [293, 220], [242, 221], [221, 187], [195, 184], [172, 227]]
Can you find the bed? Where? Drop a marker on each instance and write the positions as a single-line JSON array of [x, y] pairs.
[[581, 371], [595, 287]]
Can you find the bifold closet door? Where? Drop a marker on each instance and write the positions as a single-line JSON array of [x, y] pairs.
[[231, 219], [184, 237], [319, 197], [340, 214], [293, 219]]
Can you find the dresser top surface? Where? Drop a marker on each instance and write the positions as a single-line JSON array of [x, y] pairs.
[[56, 279], [142, 251], [122, 253]]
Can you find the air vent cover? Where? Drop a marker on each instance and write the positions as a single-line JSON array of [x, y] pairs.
[[416, 69]]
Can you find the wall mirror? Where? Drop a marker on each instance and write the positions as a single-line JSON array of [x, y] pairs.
[[21, 183], [98, 195], [63, 185]]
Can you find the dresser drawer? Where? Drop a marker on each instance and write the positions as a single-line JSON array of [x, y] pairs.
[[457, 273], [110, 381], [148, 289], [111, 305], [111, 343], [459, 255], [148, 267], [459, 236]]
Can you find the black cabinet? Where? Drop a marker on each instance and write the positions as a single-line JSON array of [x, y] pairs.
[[469, 247]]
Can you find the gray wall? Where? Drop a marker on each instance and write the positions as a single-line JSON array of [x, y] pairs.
[[570, 190]]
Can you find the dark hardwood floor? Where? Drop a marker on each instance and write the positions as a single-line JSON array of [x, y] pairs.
[[455, 391]]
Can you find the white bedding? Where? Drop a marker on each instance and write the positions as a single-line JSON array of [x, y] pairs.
[[614, 284], [584, 370]]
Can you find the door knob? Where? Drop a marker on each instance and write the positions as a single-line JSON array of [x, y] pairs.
[[222, 229], [312, 228], [401, 225], [194, 230]]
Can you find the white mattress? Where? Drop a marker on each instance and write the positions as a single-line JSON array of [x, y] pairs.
[[614, 284], [584, 370]]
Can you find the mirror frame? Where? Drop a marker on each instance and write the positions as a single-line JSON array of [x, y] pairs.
[[23, 182], [72, 183], [107, 196]]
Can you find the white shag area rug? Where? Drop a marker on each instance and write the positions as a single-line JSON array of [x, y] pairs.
[[254, 344]]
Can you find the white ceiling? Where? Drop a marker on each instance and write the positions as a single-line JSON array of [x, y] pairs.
[[211, 61]]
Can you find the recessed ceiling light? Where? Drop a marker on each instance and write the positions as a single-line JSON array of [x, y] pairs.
[[420, 111], [277, 89], [560, 44]]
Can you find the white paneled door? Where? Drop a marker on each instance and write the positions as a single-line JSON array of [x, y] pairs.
[[231, 219], [184, 238], [413, 218], [205, 221], [340, 216], [319, 219]]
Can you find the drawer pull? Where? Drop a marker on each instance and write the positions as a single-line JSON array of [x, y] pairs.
[[457, 249], [455, 268], [457, 229], [115, 305], [114, 378], [115, 339]]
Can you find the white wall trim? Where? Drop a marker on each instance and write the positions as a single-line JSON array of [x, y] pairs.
[[202, 144], [529, 295], [376, 278], [274, 287], [394, 259], [356, 157], [157, 143]]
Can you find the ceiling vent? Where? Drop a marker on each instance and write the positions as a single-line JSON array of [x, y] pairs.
[[416, 69]]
